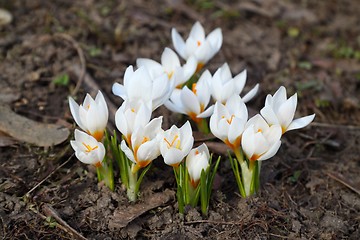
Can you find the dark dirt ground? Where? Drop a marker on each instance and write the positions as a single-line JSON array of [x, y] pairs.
[[310, 189]]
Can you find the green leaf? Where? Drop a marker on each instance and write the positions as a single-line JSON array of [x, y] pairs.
[[144, 171], [61, 80], [203, 193]]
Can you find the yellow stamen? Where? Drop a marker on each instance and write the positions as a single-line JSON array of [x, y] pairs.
[[169, 145], [170, 74], [198, 43], [89, 148], [133, 110], [230, 120]]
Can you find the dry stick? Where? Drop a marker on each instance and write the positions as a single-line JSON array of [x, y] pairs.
[[343, 181], [81, 57], [329, 125], [48, 176], [93, 87], [49, 211]]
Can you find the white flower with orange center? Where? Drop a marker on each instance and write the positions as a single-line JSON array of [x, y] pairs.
[[176, 143], [223, 85], [87, 149], [280, 110], [138, 85], [144, 144], [91, 116], [196, 161], [192, 102], [228, 121], [170, 64], [131, 115], [197, 45], [260, 141]]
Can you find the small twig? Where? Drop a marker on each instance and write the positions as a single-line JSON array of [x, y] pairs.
[[48, 176], [340, 179], [49, 211], [81, 57], [329, 125]]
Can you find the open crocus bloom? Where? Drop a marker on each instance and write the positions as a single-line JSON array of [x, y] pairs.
[[87, 149], [170, 64], [196, 161], [259, 140], [280, 110], [130, 115], [228, 121], [203, 49], [192, 102], [144, 143], [223, 85], [176, 143], [138, 85], [91, 116]]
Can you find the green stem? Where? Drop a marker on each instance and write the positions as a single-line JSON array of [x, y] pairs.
[[203, 126], [131, 190]]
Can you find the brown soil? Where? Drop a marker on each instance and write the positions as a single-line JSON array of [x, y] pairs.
[[310, 189]]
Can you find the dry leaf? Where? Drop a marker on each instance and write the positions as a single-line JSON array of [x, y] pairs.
[[26, 130]]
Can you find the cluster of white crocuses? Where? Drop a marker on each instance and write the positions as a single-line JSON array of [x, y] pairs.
[[190, 90]]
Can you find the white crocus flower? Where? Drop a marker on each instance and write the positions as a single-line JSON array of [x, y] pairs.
[[197, 45], [131, 115], [223, 85], [87, 149], [91, 116], [144, 144], [196, 161], [192, 102], [138, 85], [170, 64], [228, 121], [176, 143], [259, 140], [280, 110]]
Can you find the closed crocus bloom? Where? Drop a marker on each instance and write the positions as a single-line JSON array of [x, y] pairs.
[[170, 64], [192, 102], [87, 149], [197, 45], [176, 143], [196, 161], [280, 110], [91, 116], [144, 144], [228, 121], [130, 115], [223, 85], [259, 140], [138, 85]]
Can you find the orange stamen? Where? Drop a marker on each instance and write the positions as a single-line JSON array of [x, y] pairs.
[[231, 118], [198, 43], [193, 88]]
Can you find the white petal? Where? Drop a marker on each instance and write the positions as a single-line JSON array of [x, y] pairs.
[[248, 141], [148, 151], [189, 68], [129, 154], [119, 90], [207, 113], [269, 115], [169, 60], [301, 122], [251, 93], [240, 81], [236, 129], [197, 32], [286, 111], [173, 156], [279, 97], [74, 109], [190, 101], [271, 152], [178, 43], [215, 39]]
